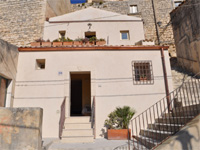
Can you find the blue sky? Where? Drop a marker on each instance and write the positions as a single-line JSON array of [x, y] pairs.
[[77, 1]]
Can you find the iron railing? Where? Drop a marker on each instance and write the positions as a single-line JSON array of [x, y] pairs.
[[62, 118], [93, 117], [157, 122]]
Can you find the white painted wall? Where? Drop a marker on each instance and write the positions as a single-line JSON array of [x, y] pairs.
[[110, 31], [106, 24], [112, 84]]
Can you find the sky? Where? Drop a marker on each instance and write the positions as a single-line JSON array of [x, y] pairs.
[[77, 1]]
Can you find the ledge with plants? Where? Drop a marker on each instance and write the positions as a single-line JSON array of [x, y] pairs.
[[118, 123], [68, 41]]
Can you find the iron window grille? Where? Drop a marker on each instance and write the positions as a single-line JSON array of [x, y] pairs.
[[142, 72]]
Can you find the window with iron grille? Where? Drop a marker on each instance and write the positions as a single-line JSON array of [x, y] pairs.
[[142, 72]]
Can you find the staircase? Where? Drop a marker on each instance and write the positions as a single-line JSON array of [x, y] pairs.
[[77, 130], [163, 119]]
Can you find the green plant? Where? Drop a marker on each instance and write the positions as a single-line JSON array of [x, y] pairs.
[[68, 40], [92, 39], [100, 3], [83, 4], [56, 40], [78, 39], [120, 118], [101, 39], [111, 123]]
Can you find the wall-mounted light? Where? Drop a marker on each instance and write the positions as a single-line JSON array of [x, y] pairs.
[[89, 25]]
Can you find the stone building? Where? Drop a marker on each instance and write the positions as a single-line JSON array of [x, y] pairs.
[[155, 14], [8, 71], [186, 28], [22, 21]]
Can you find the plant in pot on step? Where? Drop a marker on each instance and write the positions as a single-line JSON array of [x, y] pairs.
[[118, 123]]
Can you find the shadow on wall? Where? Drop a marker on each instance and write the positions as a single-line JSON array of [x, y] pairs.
[[185, 138]]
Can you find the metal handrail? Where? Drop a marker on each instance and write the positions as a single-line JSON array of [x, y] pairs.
[[184, 103], [93, 116], [62, 118]]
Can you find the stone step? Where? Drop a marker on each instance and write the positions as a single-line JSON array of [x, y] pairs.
[[77, 132], [77, 139], [174, 120], [77, 126], [84, 119], [155, 134], [164, 127], [147, 142], [179, 112]]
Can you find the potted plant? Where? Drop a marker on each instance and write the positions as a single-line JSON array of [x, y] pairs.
[[57, 42], [101, 42], [78, 41], [46, 43], [85, 41], [118, 123], [143, 77], [67, 41], [92, 40], [36, 43]]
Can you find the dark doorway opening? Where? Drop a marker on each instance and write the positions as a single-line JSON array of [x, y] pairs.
[[76, 97], [80, 94]]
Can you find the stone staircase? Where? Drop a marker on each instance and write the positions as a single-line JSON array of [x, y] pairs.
[[157, 123], [77, 130], [166, 126]]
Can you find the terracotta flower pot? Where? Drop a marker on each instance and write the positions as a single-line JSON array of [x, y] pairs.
[[118, 134], [35, 43], [46, 44], [57, 43], [100, 42], [67, 43], [78, 43]]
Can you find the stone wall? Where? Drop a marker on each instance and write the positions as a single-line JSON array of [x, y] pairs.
[[114, 6], [21, 128], [186, 27], [22, 21], [145, 11], [57, 7], [162, 9], [8, 67]]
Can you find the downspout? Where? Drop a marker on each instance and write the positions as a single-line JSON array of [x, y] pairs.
[[155, 21], [165, 79]]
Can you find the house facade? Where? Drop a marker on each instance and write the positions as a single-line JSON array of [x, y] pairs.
[[115, 28], [111, 75], [186, 28]]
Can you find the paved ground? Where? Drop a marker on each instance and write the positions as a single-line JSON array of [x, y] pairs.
[[99, 144]]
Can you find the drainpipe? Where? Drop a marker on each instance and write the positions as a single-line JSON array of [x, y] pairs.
[[165, 79], [155, 21]]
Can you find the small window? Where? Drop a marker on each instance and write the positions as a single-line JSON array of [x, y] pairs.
[[40, 64], [90, 34], [124, 35], [142, 72], [62, 34], [133, 9], [177, 3]]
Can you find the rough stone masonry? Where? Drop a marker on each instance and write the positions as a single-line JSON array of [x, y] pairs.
[[21, 128]]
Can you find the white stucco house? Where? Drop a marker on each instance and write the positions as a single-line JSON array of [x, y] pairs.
[[83, 84], [109, 74], [115, 28]]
